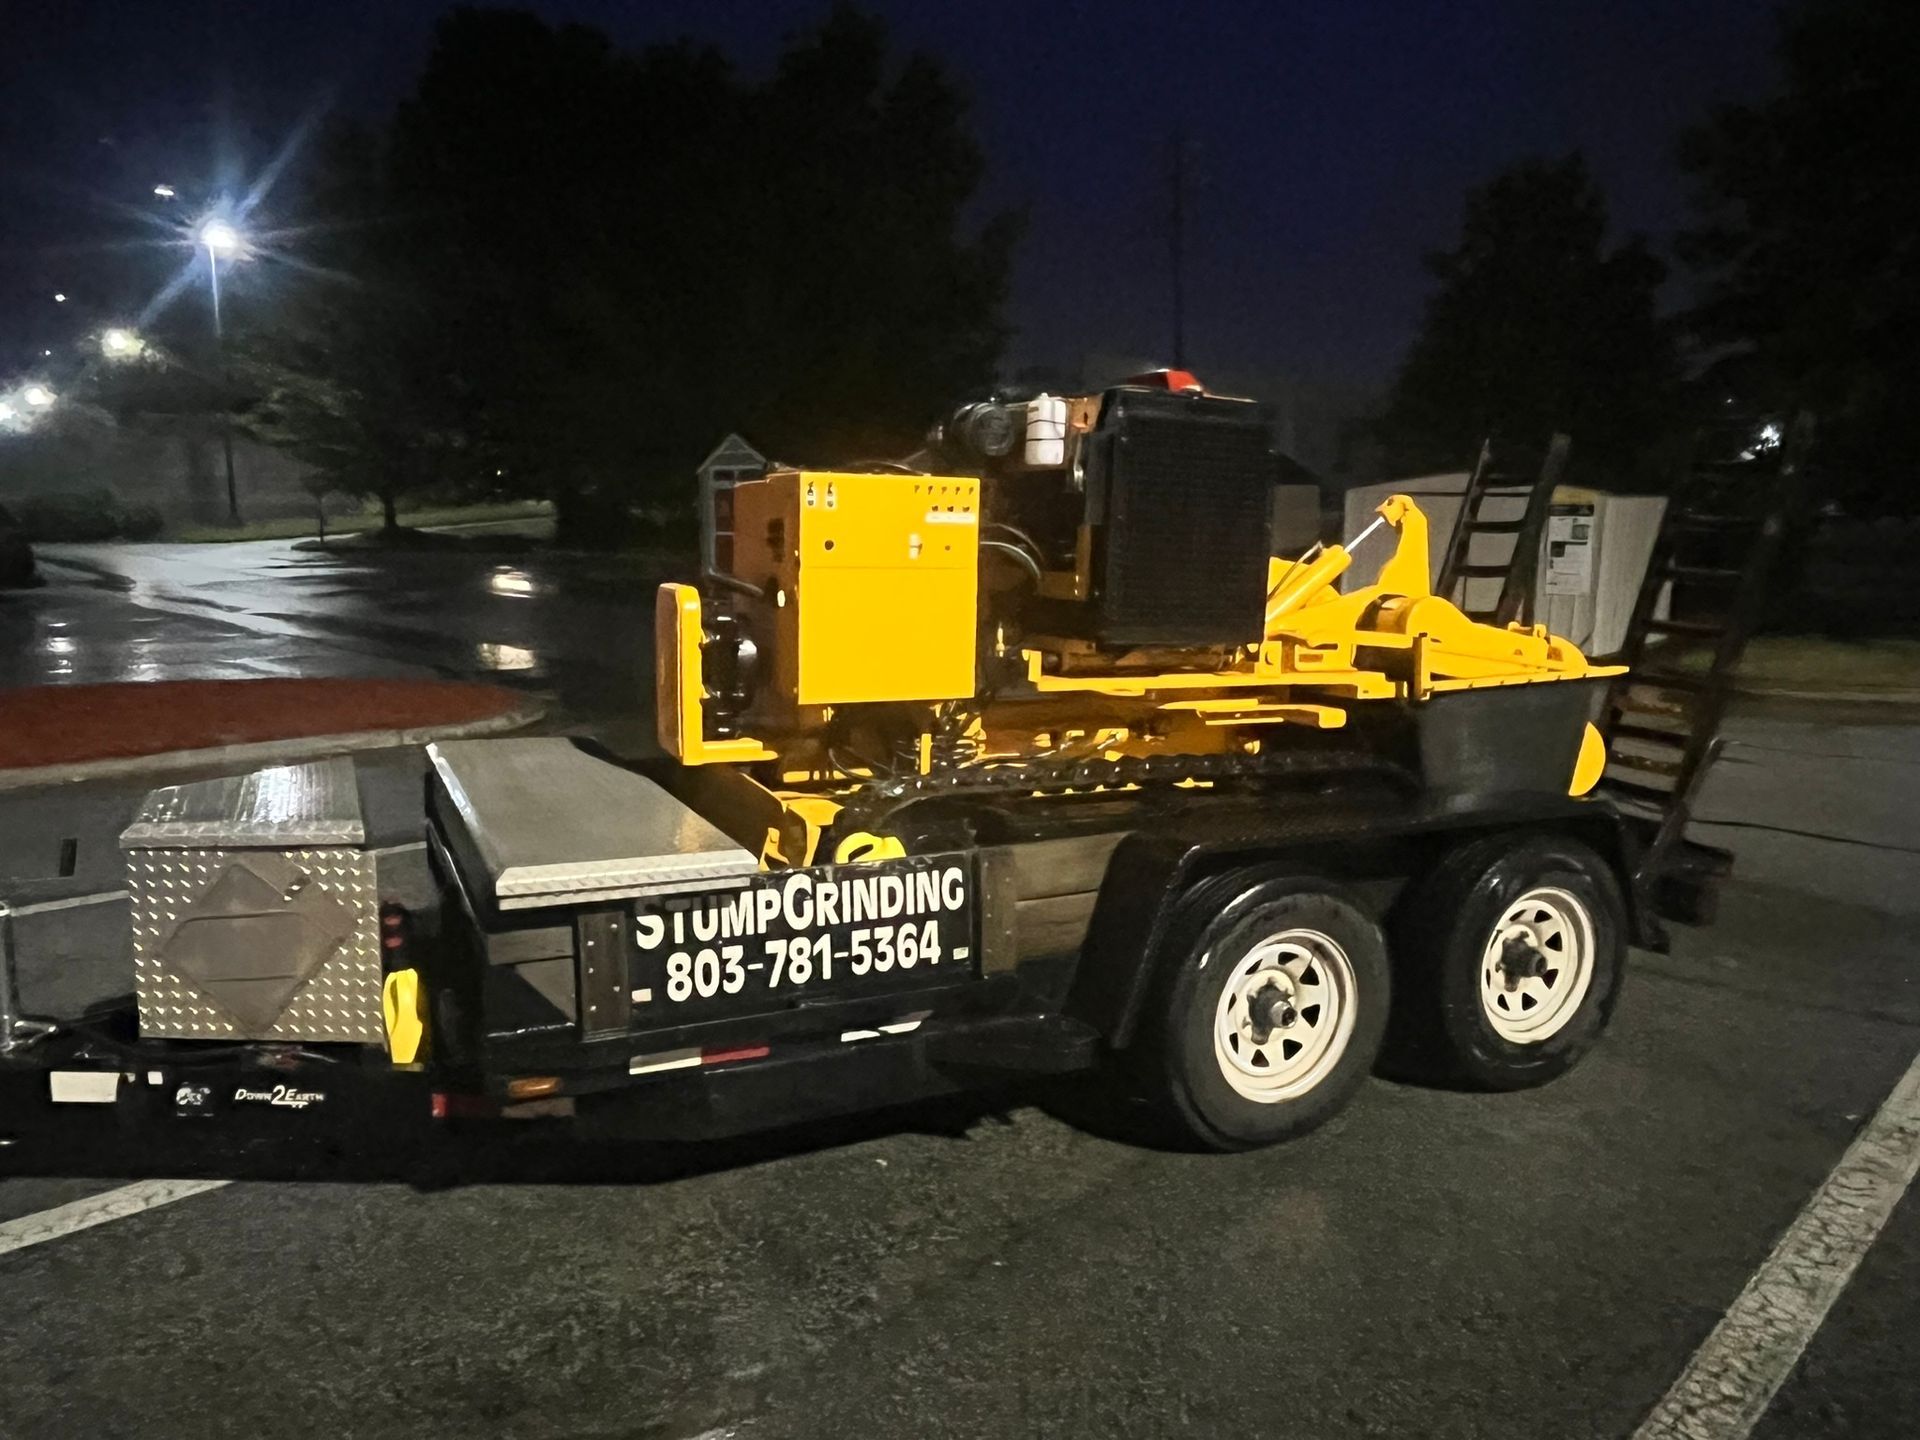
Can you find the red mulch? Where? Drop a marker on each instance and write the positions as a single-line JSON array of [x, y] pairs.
[[71, 724]]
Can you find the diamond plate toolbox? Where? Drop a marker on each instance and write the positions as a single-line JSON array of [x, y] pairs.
[[255, 911]]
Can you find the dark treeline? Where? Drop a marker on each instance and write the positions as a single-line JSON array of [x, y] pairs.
[[565, 270], [1801, 283]]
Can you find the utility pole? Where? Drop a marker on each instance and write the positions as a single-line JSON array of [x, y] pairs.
[[226, 388], [1176, 249], [220, 238]]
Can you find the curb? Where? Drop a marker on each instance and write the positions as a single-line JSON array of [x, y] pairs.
[[255, 754], [1889, 696]]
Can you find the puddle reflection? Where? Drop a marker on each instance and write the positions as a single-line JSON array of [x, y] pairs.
[[514, 583], [495, 656]]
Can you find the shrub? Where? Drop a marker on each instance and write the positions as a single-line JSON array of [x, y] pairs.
[[81, 515], [85, 515], [139, 522]]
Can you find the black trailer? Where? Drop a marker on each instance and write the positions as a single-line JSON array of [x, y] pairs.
[[594, 951]]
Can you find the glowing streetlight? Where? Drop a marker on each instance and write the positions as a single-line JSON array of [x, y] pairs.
[[7, 413], [121, 344], [220, 238], [38, 396], [59, 297], [165, 192]]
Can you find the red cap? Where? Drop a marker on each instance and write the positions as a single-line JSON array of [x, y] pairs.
[[1183, 381]]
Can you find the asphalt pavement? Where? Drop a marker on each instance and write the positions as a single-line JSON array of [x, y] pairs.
[[1433, 1264], [574, 629]]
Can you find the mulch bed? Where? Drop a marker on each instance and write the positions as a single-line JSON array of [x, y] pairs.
[[72, 724]]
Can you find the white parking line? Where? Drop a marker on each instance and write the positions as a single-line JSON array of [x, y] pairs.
[[97, 1210], [1737, 1370]]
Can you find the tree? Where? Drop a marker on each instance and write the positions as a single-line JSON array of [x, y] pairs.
[[1537, 326], [633, 254], [1807, 244], [866, 178], [345, 370]]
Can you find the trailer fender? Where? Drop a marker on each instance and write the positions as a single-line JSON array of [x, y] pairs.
[[1152, 876]]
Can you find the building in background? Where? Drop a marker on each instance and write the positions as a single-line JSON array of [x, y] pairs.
[[167, 464], [1593, 552], [730, 462]]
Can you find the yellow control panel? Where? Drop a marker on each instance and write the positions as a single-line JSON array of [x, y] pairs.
[[872, 581]]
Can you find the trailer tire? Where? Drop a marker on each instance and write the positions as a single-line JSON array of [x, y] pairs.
[[1273, 1000], [1508, 960]]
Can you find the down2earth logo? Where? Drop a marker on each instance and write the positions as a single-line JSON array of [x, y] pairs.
[[193, 1098], [285, 1096]]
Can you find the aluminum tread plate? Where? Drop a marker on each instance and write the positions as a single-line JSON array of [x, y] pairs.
[[552, 825], [340, 1001], [281, 807]]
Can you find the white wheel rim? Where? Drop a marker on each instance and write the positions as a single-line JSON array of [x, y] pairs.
[[1537, 966], [1285, 1016]]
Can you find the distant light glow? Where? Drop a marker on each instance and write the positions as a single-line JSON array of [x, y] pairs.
[[38, 396], [7, 413], [507, 581], [59, 297], [220, 238], [121, 344], [165, 192], [495, 656]]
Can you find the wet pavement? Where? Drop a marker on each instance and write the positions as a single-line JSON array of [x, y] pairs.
[[576, 629], [1434, 1264]]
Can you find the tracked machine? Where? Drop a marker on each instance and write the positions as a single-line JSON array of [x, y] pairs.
[[1077, 596], [1022, 755]]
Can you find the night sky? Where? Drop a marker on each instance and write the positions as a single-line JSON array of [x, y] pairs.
[[1331, 143]]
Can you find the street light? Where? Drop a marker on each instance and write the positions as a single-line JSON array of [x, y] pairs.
[[121, 344], [222, 240], [38, 396], [165, 192]]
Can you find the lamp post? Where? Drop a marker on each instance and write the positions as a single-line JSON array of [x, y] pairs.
[[222, 240]]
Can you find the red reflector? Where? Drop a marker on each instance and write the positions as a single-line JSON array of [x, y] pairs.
[[456, 1107], [392, 919], [737, 1052], [391, 942]]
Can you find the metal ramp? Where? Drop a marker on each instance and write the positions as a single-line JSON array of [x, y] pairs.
[[1704, 588], [1498, 483]]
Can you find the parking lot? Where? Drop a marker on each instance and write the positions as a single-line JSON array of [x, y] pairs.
[[1435, 1263]]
